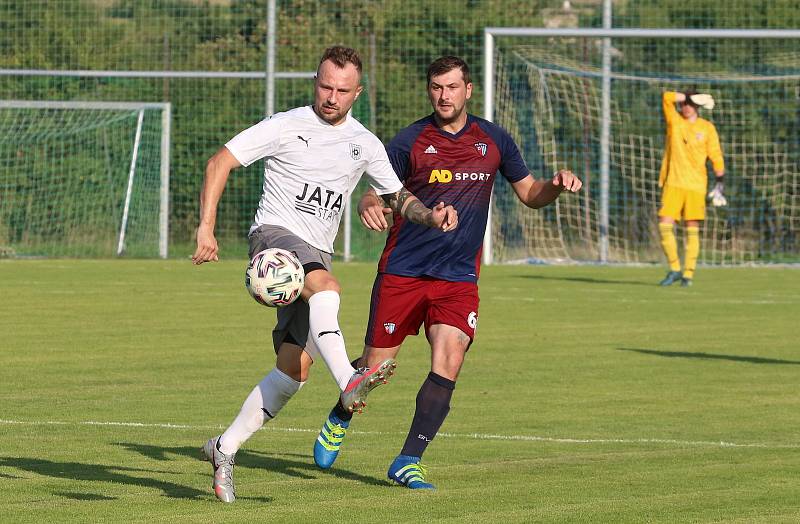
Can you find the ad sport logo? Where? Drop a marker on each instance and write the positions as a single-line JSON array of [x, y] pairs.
[[389, 327], [355, 151], [481, 147], [445, 176], [304, 139]]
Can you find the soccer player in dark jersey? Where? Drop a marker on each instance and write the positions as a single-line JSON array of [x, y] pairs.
[[425, 276]]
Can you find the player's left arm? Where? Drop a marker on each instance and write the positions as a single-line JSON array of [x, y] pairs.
[[714, 152], [531, 192], [403, 202], [539, 193]]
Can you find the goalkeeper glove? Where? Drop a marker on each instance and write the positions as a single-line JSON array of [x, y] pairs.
[[716, 196], [702, 100]]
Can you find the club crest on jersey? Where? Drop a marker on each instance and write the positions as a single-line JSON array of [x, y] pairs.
[[355, 151], [482, 148], [389, 327]]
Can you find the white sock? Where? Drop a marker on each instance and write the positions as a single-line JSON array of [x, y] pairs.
[[323, 319], [261, 405]]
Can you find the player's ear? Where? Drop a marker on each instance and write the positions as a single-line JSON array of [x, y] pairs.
[[358, 91], [469, 90]]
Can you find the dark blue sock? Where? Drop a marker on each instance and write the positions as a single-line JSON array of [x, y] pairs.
[[433, 404]]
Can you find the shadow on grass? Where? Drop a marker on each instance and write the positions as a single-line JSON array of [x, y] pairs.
[[277, 462], [83, 496], [588, 280], [710, 356], [100, 473]]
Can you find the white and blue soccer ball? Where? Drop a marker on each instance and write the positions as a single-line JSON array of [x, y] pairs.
[[274, 277]]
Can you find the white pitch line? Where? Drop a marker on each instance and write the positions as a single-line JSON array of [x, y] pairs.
[[469, 436]]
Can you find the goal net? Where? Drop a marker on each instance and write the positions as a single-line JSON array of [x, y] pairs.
[[84, 179], [547, 94]]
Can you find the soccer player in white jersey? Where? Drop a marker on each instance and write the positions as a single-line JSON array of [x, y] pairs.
[[315, 155]]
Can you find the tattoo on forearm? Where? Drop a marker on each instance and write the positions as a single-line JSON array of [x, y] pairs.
[[397, 199], [413, 211], [416, 212]]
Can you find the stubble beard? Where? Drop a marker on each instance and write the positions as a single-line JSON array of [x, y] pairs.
[[455, 115], [332, 118]]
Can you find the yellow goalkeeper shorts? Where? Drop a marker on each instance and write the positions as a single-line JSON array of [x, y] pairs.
[[678, 203]]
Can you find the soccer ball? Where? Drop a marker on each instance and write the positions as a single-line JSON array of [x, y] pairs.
[[274, 277]]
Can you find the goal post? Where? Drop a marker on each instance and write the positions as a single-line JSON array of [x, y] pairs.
[[572, 99], [80, 178]]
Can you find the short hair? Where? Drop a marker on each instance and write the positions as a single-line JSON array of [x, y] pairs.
[[446, 64], [341, 56]]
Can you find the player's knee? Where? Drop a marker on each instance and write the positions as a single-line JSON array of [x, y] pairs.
[[332, 285], [296, 370], [450, 364], [294, 362], [317, 281]]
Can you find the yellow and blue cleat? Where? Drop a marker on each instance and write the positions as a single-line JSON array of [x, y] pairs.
[[407, 471], [329, 440]]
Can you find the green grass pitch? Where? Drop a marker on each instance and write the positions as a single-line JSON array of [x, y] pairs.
[[590, 395]]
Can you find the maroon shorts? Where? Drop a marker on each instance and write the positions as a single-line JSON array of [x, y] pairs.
[[400, 305]]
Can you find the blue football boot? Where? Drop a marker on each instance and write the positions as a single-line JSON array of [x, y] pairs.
[[329, 440], [407, 471]]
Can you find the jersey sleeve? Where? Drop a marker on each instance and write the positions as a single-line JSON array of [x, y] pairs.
[[512, 165], [714, 151], [256, 142], [381, 173], [399, 150], [668, 107]]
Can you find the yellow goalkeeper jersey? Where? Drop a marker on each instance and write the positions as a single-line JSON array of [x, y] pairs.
[[689, 145]]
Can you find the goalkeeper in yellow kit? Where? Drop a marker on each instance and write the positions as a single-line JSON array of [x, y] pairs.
[[690, 142]]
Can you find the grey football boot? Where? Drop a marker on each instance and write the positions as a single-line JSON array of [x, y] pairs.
[[364, 380], [223, 470]]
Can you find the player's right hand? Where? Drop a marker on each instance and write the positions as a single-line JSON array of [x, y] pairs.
[[374, 217], [444, 217], [207, 248]]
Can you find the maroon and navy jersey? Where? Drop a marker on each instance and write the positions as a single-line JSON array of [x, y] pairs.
[[459, 170]]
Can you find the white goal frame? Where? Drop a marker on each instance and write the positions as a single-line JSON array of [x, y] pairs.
[[606, 33], [166, 130]]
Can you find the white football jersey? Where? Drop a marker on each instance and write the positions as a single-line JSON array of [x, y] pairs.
[[310, 170]]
